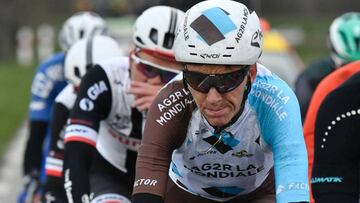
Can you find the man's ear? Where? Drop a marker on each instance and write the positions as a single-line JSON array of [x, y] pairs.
[[252, 72]]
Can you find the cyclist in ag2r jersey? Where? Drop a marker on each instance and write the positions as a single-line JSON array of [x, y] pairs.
[[227, 129]]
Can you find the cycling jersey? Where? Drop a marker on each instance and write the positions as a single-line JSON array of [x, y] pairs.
[[47, 83], [308, 80], [221, 165], [335, 175], [327, 85], [102, 118]]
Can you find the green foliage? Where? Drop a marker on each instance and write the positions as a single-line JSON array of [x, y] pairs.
[[315, 33], [14, 97]]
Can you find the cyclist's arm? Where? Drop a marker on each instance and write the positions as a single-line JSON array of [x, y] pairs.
[[335, 175], [282, 131], [92, 105], [160, 138], [54, 160]]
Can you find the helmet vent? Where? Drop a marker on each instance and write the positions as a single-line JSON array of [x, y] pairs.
[[153, 35], [77, 72], [346, 43], [230, 47], [357, 44], [191, 46], [193, 54], [226, 55], [169, 40], [81, 35], [88, 66], [139, 40]]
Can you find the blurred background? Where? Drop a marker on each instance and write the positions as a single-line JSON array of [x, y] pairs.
[[29, 28]]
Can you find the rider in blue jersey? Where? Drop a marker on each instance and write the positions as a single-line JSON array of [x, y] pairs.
[[227, 129], [47, 84]]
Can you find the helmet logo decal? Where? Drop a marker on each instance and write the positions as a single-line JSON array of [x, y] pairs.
[[212, 25], [256, 39]]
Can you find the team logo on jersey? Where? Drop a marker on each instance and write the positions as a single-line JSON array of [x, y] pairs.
[[213, 25], [223, 141], [223, 192], [86, 104], [242, 153]]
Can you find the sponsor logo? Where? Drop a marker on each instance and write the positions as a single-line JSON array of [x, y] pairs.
[[256, 39], [173, 105], [274, 97], [68, 186], [213, 25], [145, 182], [242, 27], [111, 198], [86, 104], [327, 180], [292, 186], [130, 143], [211, 56], [220, 170], [202, 154], [95, 90], [242, 153]]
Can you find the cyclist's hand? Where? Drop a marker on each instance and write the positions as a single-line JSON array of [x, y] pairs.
[[144, 93], [32, 189]]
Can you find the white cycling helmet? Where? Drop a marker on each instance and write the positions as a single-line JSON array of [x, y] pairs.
[[155, 28], [344, 38], [81, 25], [87, 52], [219, 32]]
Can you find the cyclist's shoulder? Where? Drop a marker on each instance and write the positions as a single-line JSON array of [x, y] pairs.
[[54, 61], [319, 67], [173, 103]]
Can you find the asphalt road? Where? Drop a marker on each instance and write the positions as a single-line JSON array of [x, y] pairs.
[[10, 168]]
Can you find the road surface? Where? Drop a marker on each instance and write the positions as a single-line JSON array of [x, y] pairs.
[[10, 167]]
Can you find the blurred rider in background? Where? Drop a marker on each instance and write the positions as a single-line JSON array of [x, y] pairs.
[[343, 41], [47, 83]]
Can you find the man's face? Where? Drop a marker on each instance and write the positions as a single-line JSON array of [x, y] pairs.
[[219, 108]]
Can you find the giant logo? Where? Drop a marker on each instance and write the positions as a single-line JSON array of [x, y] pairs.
[[93, 92], [212, 25]]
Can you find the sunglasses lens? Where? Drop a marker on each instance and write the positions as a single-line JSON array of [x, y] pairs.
[[166, 76], [147, 70], [222, 82]]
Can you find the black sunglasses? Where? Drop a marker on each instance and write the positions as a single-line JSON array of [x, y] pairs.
[[223, 83]]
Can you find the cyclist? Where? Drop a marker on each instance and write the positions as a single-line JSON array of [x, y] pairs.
[[328, 84], [47, 83], [335, 175], [227, 129], [79, 58], [343, 44], [105, 124]]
